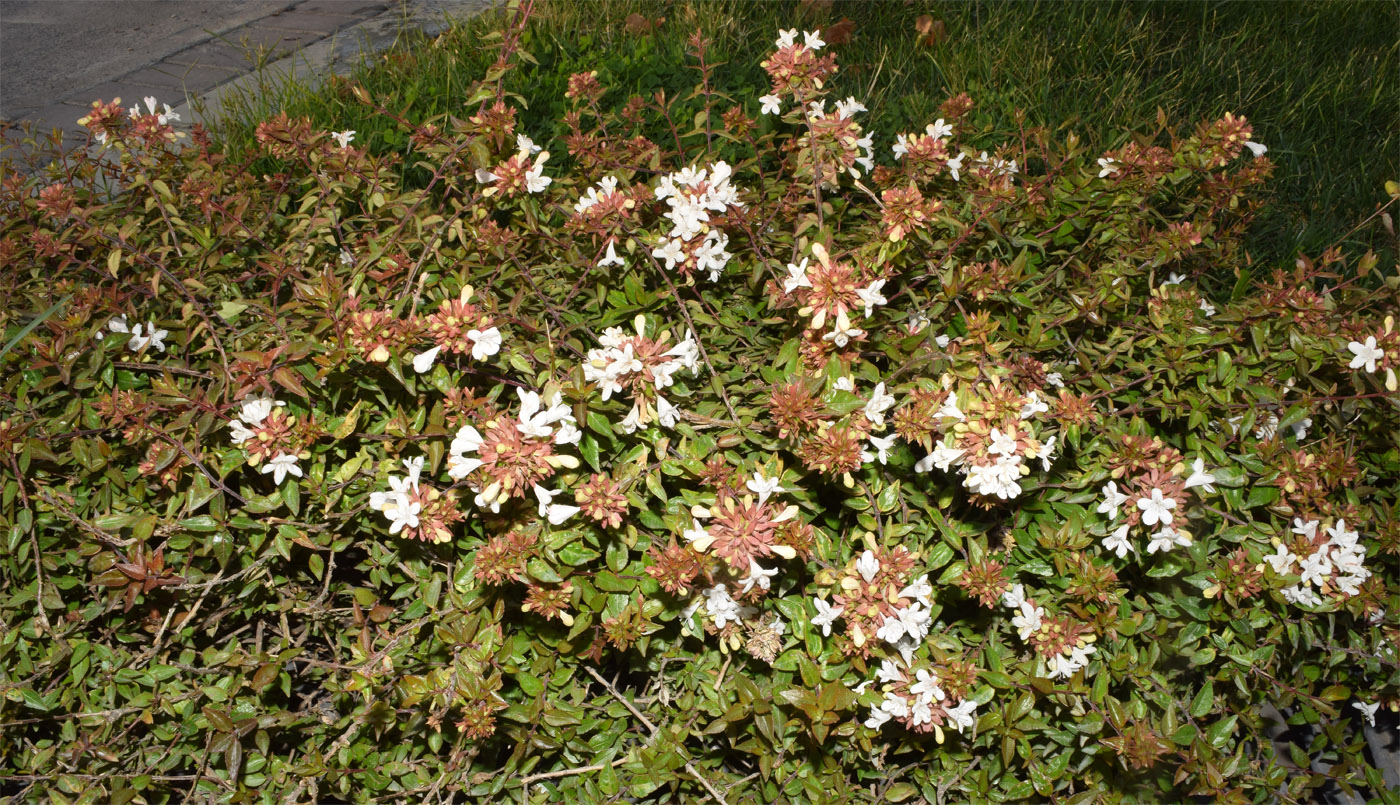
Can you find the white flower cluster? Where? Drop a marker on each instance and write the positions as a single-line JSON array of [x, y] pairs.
[[1337, 563], [1000, 477], [607, 186], [1028, 619], [816, 110], [938, 130], [690, 216], [880, 401], [254, 410], [396, 504], [906, 629], [616, 360], [1156, 510], [925, 694], [139, 340], [553, 421], [167, 115]]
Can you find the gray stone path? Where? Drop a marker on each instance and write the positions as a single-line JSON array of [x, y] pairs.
[[57, 56]]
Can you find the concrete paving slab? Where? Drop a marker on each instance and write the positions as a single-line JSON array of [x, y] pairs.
[[50, 48]]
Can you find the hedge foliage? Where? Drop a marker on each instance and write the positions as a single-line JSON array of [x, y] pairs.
[[768, 459]]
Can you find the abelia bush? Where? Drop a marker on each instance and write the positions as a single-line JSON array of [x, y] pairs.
[[759, 457]]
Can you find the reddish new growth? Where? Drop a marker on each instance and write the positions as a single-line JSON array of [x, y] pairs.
[[741, 529], [128, 410], [373, 332], [1059, 634], [917, 420], [496, 121], [503, 558], [1236, 578], [985, 582], [602, 501], [510, 461], [866, 603], [833, 292], [1224, 139], [1138, 747], [456, 320], [163, 462], [797, 70], [279, 433], [1142, 486], [550, 601], [674, 567], [437, 514], [906, 211], [835, 450], [1133, 454]]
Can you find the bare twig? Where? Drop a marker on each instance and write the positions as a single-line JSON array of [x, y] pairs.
[[690, 767]]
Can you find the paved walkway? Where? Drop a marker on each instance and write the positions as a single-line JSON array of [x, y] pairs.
[[57, 56]]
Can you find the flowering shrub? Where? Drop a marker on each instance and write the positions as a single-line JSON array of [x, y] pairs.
[[772, 459]]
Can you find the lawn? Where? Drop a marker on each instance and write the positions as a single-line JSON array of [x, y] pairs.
[[1317, 80]]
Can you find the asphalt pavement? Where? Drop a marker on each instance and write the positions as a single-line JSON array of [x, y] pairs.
[[58, 56]]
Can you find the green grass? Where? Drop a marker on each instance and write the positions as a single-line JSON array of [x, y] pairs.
[[1317, 79]]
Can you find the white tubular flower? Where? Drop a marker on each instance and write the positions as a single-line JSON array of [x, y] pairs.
[[1368, 711], [485, 343], [762, 486], [611, 258], [797, 277], [555, 513], [1206, 308], [1199, 477], [280, 467], [1257, 149], [878, 404], [1027, 621], [938, 129], [786, 37], [424, 360], [1112, 499], [155, 338], [882, 446], [526, 145], [1364, 354], [535, 180], [116, 325], [1156, 509], [1003, 444], [1033, 405], [848, 107], [414, 468], [241, 433], [568, 433], [1118, 542], [870, 296], [1106, 167], [826, 616], [772, 105], [402, 513], [484, 176], [955, 166], [666, 413], [758, 576], [842, 333], [920, 591], [962, 716], [343, 138], [867, 566], [1281, 561], [813, 40]]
